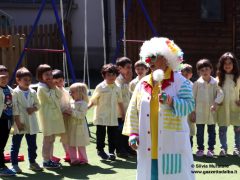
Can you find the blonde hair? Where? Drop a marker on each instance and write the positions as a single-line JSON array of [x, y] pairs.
[[82, 89]]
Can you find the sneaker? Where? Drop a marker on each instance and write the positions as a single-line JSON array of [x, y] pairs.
[[51, 165], [210, 153], [55, 159], [35, 167], [236, 152], [6, 172], [200, 153], [16, 169], [223, 153], [103, 155], [112, 157]]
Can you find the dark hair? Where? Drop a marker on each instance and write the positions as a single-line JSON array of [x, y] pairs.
[[187, 68], [3, 68], [109, 68], [123, 61], [202, 63], [140, 63], [220, 68], [57, 74], [42, 68], [23, 72]]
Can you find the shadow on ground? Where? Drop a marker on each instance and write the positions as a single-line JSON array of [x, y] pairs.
[[220, 161]]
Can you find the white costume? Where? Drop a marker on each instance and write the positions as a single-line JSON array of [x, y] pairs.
[[174, 155]]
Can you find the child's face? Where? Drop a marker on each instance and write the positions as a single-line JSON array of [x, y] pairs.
[[126, 71], [47, 77], [74, 94], [24, 82], [4, 77], [228, 66], [59, 82], [110, 78], [141, 71], [205, 72], [187, 75]]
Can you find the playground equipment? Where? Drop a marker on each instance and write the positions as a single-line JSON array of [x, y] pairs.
[[64, 50], [122, 38]]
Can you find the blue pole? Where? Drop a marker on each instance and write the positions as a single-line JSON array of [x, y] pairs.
[[119, 42], [148, 18], [63, 41], [29, 38]]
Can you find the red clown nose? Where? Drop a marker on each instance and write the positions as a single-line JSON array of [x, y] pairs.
[[148, 60]]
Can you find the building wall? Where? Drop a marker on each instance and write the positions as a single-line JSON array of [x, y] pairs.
[[237, 26], [180, 20]]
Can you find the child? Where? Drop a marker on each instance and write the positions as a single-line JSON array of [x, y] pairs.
[[207, 96], [141, 70], [228, 113], [58, 79], [107, 96], [78, 136], [124, 66], [25, 104], [6, 118], [50, 115], [186, 71]]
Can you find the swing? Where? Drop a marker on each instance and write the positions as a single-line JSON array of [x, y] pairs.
[[65, 50], [126, 9]]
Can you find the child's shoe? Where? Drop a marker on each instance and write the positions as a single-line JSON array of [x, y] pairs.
[[16, 169], [67, 158], [210, 153], [200, 153], [75, 162], [51, 165], [83, 162], [4, 172], [35, 167], [223, 153], [236, 152], [55, 159], [112, 157], [103, 155]]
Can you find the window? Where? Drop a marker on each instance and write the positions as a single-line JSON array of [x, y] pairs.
[[212, 10]]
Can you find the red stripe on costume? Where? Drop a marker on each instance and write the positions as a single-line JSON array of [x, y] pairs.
[[167, 82], [147, 87]]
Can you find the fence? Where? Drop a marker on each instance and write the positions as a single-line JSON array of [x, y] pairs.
[[45, 36]]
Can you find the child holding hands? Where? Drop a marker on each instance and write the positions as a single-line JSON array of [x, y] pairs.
[[50, 114], [77, 131], [58, 79]]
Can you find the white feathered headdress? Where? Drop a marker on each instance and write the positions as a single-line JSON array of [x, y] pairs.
[[162, 47]]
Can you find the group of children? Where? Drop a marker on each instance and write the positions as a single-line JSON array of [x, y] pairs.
[[62, 113], [50, 110], [217, 101], [57, 112]]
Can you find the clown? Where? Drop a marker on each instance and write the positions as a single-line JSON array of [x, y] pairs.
[[156, 119]]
